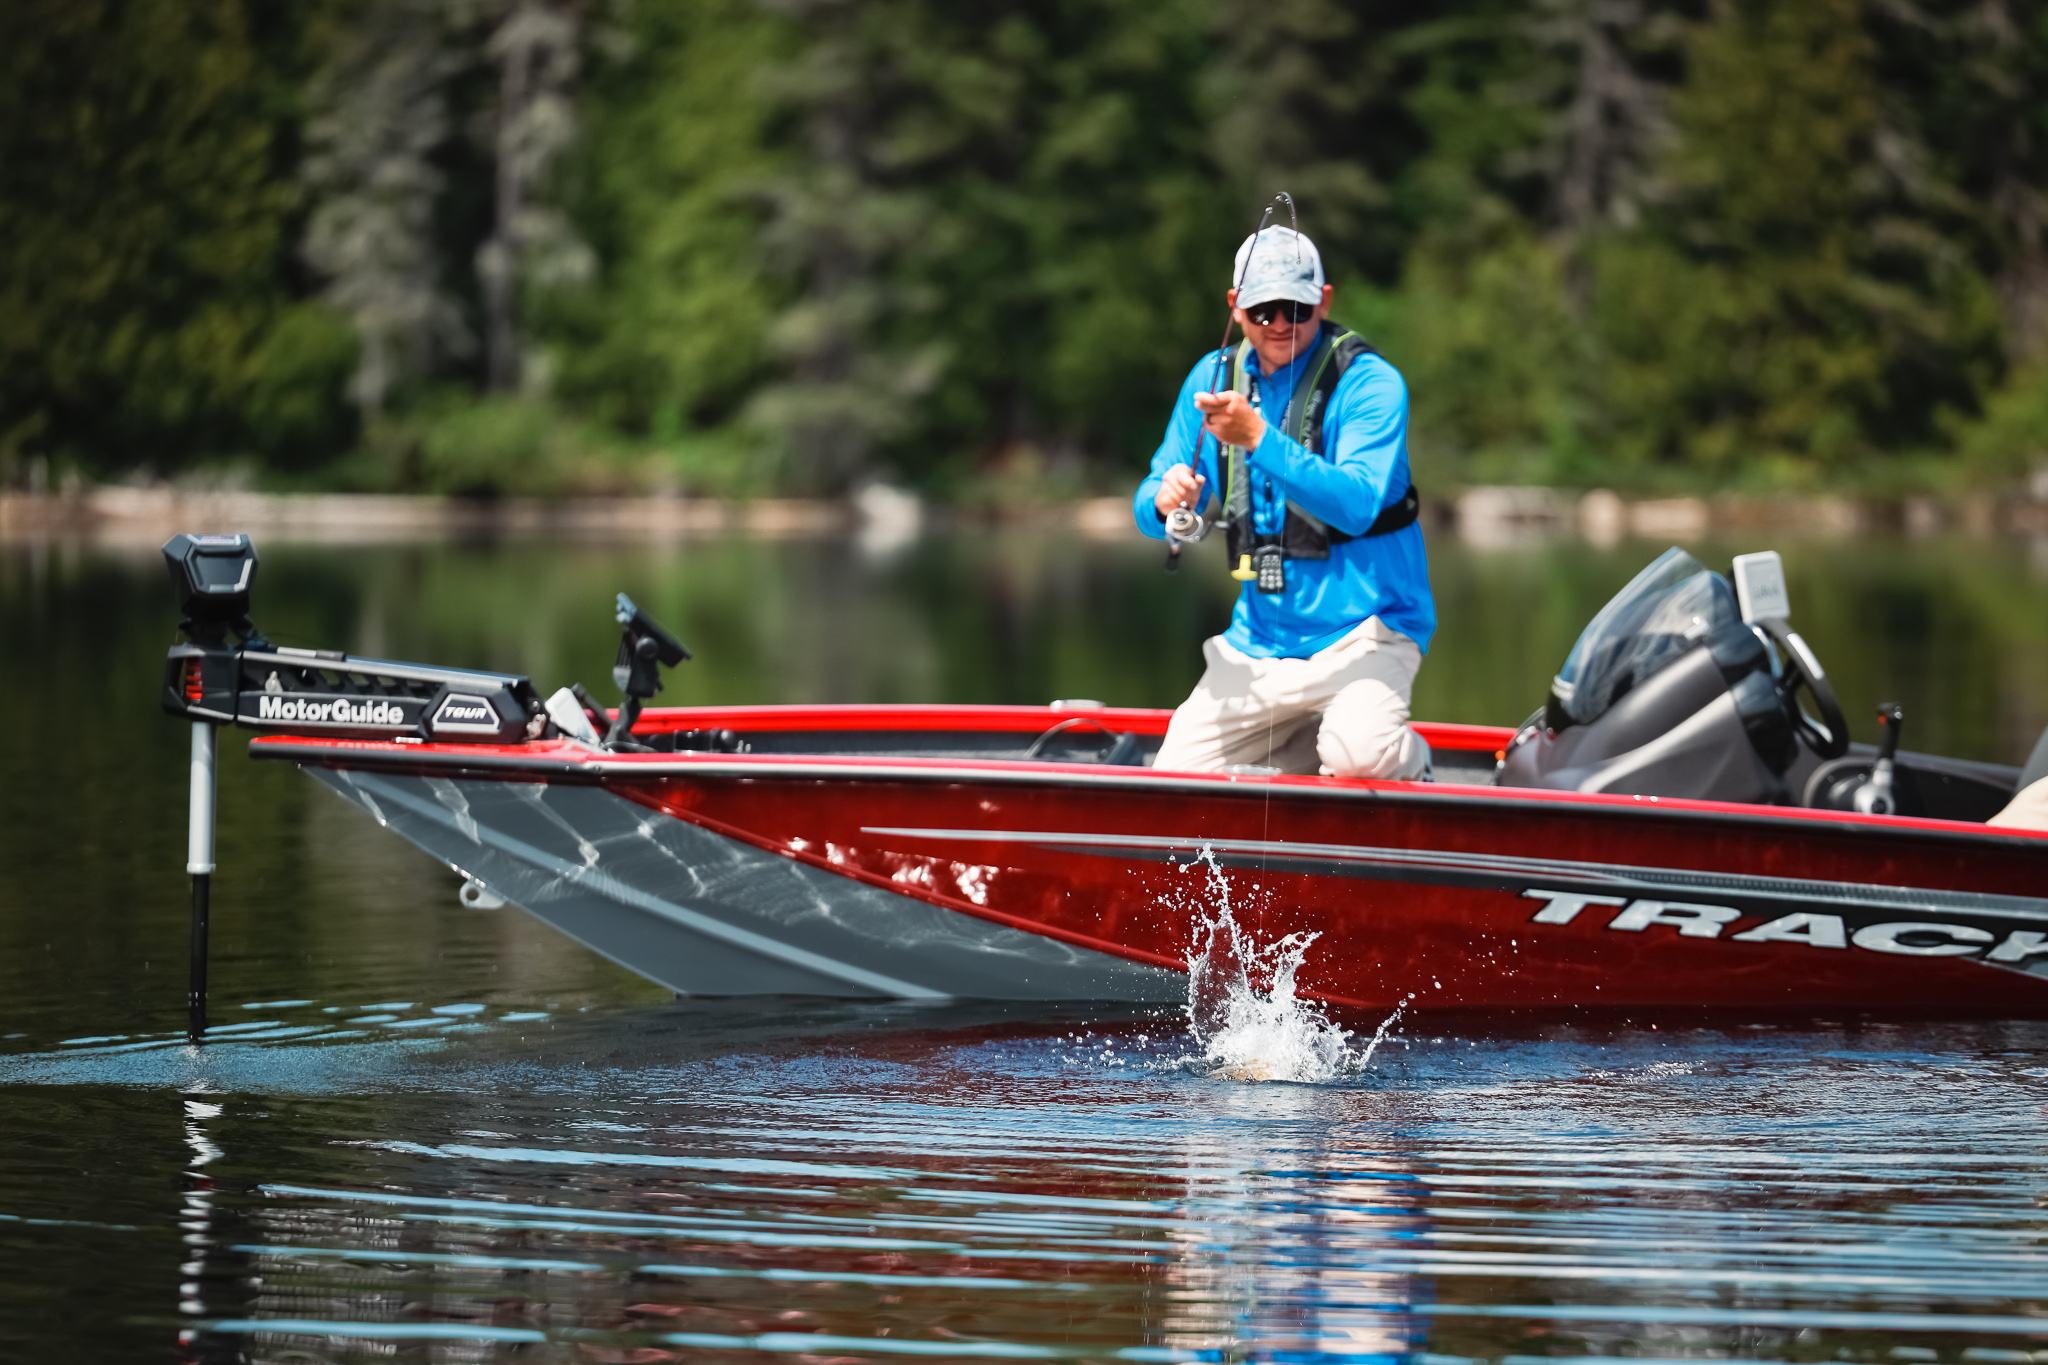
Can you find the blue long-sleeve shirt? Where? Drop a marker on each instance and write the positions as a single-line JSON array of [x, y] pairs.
[[1364, 467]]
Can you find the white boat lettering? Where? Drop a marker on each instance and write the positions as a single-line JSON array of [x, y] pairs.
[[1566, 904], [1910, 938], [469, 714], [340, 711], [1693, 921], [1889, 938], [2019, 945], [1816, 931]]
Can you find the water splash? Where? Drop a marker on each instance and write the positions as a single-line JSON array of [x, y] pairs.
[[1242, 1008]]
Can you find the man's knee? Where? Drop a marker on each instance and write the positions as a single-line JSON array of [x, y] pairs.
[[1183, 751], [1365, 734]]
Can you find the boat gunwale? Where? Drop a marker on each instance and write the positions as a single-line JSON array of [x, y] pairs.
[[566, 761], [913, 717]]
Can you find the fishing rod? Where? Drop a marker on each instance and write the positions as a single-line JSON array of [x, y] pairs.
[[1184, 525]]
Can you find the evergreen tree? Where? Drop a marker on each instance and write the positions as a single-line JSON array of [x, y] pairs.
[[1794, 309], [381, 119], [799, 243], [672, 191], [146, 309]]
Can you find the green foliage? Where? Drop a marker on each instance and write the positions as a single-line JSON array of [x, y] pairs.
[[293, 377], [1497, 362], [2010, 441], [799, 243], [673, 340], [143, 233], [1001, 226], [1777, 289], [1795, 309]]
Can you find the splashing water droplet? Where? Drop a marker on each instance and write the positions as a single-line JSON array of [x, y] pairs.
[[1242, 1009]]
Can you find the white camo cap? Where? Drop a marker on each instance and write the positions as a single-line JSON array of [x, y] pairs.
[[1284, 265]]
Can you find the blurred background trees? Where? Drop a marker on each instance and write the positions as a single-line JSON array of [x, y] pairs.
[[751, 245]]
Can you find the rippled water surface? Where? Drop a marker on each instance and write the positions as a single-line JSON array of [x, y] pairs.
[[426, 1133]]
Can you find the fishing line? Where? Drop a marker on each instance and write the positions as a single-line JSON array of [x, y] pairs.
[[1294, 225], [1201, 433]]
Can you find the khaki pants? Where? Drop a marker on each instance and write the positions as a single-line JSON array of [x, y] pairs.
[[1342, 712], [2028, 810]]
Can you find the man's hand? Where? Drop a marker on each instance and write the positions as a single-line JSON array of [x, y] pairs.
[[1180, 486], [1231, 418]]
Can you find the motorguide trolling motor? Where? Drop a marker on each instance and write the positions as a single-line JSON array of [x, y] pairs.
[[212, 680], [319, 692]]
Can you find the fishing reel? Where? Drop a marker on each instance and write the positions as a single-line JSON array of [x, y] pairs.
[[1183, 527]]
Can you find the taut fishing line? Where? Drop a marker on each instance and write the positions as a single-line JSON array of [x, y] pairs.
[[1294, 225]]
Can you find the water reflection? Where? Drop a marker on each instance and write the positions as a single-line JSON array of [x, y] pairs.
[[862, 1182]]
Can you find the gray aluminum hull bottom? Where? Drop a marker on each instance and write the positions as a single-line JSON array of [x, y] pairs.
[[706, 915]]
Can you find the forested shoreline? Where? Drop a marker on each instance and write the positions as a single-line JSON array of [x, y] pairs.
[[749, 246]]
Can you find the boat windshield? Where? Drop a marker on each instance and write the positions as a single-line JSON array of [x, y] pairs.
[[1664, 611]]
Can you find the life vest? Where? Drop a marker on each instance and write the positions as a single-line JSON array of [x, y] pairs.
[[1302, 534]]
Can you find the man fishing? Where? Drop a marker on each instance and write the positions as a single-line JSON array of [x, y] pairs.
[[1334, 612]]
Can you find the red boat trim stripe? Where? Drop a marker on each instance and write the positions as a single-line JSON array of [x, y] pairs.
[[1504, 871], [1024, 720], [908, 717], [617, 890]]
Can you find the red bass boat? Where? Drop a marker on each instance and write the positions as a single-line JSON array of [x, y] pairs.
[[1673, 830]]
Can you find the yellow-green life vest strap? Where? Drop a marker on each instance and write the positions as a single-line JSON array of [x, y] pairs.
[[1237, 494]]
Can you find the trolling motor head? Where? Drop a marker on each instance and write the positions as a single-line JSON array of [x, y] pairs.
[[316, 692], [212, 576]]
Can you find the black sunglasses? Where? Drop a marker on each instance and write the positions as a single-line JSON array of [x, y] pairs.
[[1264, 313]]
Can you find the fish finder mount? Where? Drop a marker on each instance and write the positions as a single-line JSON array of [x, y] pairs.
[[645, 648]]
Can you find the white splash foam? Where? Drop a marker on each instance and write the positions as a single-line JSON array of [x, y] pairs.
[[1242, 1008]]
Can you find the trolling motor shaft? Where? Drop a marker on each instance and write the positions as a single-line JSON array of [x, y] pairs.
[[199, 864]]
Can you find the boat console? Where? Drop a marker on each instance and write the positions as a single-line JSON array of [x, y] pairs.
[[1687, 686]]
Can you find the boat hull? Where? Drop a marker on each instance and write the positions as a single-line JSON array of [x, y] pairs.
[[705, 914], [871, 876]]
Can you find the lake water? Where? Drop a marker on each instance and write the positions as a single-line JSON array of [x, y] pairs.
[[427, 1133]]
